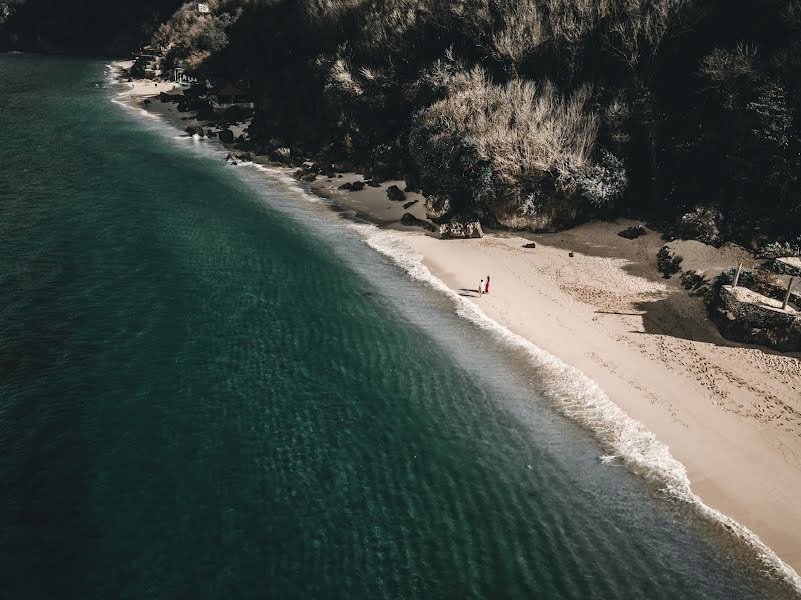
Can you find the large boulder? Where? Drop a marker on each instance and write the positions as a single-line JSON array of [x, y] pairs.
[[438, 207], [461, 229], [395, 194], [410, 220]]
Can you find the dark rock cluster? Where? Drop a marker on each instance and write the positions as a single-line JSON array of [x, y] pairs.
[[668, 262]]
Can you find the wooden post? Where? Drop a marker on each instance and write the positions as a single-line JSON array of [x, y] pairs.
[[737, 275], [787, 295]]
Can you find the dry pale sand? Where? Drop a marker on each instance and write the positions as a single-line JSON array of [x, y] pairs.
[[730, 413]]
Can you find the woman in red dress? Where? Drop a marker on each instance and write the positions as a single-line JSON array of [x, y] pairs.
[[486, 287]]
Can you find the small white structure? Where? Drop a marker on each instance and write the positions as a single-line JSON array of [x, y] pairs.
[[203, 8]]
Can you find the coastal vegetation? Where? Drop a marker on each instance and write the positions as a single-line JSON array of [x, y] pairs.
[[525, 114]]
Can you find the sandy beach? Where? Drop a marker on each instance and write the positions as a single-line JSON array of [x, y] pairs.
[[731, 414]]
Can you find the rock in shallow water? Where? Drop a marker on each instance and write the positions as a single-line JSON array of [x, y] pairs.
[[196, 130]]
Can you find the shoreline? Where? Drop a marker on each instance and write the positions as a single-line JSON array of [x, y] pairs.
[[730, 414]]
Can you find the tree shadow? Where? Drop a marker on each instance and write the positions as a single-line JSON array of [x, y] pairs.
[[682, 316]]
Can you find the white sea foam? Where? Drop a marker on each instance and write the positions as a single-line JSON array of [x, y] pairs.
[[582, 400]]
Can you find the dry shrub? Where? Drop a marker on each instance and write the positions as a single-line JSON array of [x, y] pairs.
[[327, 12], [521, 33], [728, 65], [518, 127]]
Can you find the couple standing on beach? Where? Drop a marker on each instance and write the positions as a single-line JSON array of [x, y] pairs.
[[483, 287]]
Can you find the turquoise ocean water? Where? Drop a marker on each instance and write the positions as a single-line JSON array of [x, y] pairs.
[[211, 389]]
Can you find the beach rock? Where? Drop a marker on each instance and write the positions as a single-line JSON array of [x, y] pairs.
[[226, 136], [147, 102], [461, 229], [246, 156], [373, 183], [668, 262], [408, 204], [438, 207], [531, 245], [632, 233], [395, 194], [346, 186], [196, 130], [231, 156], [309, 177], [410, 220], [357, 186], [694, 282]]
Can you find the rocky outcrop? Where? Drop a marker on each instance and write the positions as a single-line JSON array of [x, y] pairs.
[[227, 136], [438, 207], [461, 229], [410, 220]]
